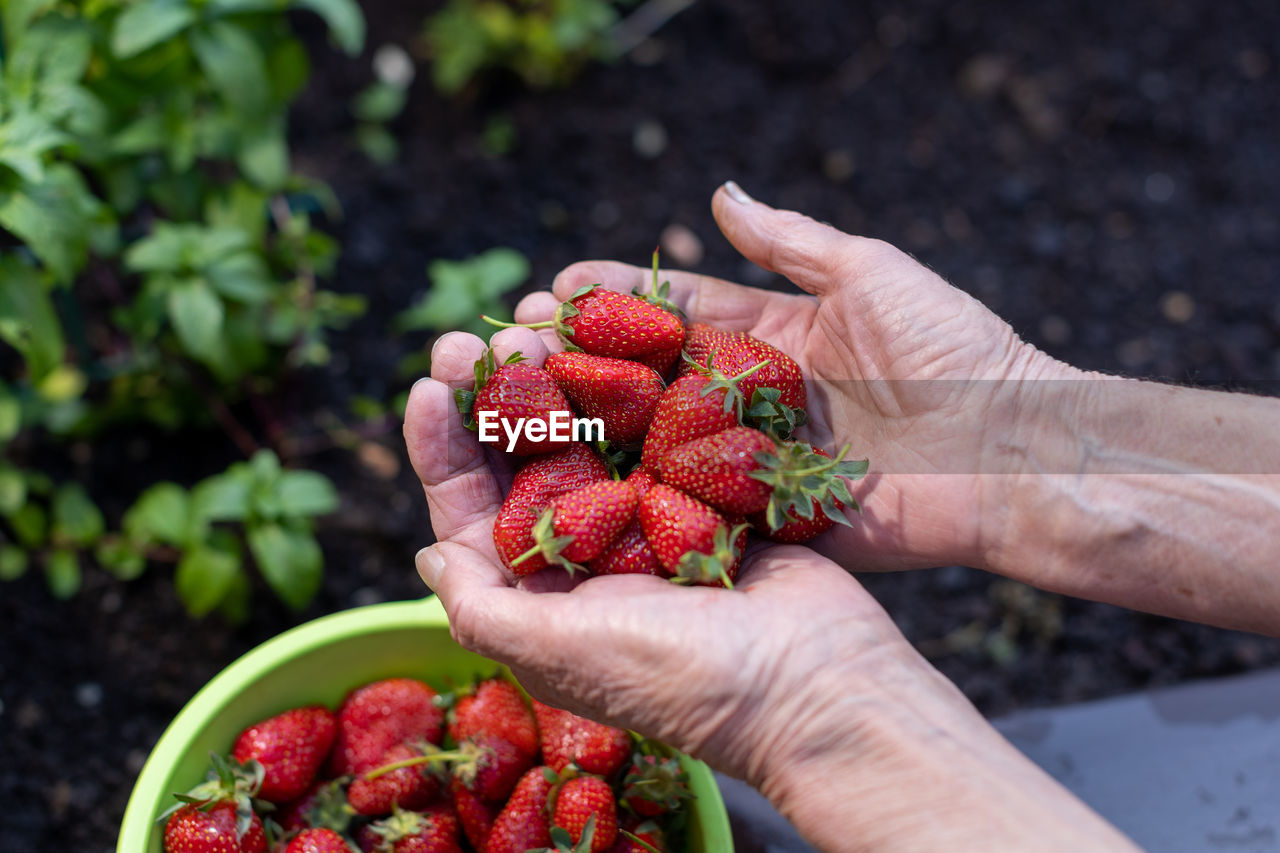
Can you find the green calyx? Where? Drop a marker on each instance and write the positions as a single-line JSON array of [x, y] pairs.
[[227, 781], [329, 808], [400, 825], [562, 841], [718, 381], [549, 545], [658, 293], [767, 413], [485, 367], [801, 477], [660, 780], [695, 566], [647, 826]]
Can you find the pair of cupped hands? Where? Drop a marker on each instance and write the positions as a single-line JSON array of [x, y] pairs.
[[907, 369]]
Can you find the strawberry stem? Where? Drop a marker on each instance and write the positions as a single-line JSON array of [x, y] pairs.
[[817, 469], [502, 324], [433, 758], [750, 370]]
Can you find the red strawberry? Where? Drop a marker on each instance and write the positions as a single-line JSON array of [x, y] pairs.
[[691, 540], [318, 841], [716, 469], [378, 716], [491, 766], [629, 553], [578, 525], [702, 403], [507, 394], [214, 828], [578, 800], [496, 708], [642, 481], [540, 480], [523, 823], [605, 322], [655, 785], [620, 393], [734, 352], [379, 791], [643, 828], [433, 830], [570, 739], [600, 321], [324, 805], [475, 813], [290, 747]]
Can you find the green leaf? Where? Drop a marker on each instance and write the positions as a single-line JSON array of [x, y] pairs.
[[148, 23], [203, 579], [13, 562], [56, 218], [264, 155], [30, 524], [76, 518], [13, 490], [377, 143], [24, 140], [161, 514], [196, 313], [344, 19], [28, 321], [233, 63], [14, 17], [380, 102], [223, 497], [124, 559], [290, 560], [62, 573], [234, 606], [462, 290], [10, 409], [243, 277], [304, 493]]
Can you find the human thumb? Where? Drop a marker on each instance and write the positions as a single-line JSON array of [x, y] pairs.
[[816, 257]]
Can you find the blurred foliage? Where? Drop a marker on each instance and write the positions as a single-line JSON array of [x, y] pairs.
[[544, 42], [463, 290], [381, 102], [158, 260]]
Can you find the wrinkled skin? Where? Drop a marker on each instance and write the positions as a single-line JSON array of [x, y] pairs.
[[760, 680]]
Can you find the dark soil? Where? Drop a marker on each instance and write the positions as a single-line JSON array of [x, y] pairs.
[[1101, 174]]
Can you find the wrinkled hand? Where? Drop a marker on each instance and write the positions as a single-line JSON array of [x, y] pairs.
[[699, 668], [796, 681], [914, 374]]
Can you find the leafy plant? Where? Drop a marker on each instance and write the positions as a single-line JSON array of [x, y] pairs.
[[463, 290], [273, 510], [545, 42], [143, 163]]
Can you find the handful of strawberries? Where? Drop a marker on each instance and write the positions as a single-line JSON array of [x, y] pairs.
[[685, 470], [376, 777]]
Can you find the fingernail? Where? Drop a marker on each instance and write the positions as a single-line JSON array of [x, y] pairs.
[[430, 565], [416, 384], [736, 193]]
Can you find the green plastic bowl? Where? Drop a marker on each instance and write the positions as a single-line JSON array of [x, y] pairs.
[[322, 661]]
